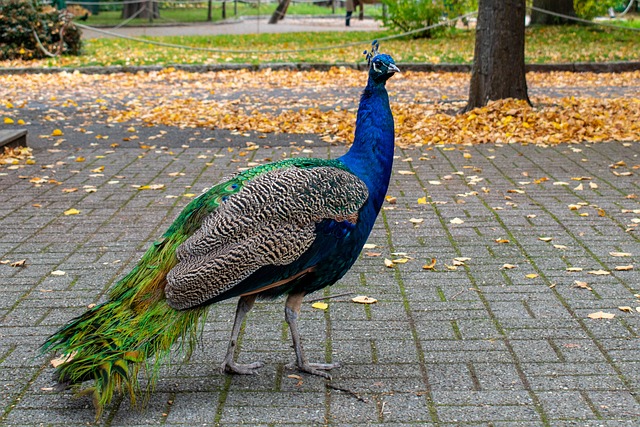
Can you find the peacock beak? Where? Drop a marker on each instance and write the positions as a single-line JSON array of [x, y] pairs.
[[392, 69]]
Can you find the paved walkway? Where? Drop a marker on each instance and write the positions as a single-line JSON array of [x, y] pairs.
[[471, 342], [247, 25]]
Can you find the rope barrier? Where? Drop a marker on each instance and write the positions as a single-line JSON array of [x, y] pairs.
[[277, 51], [585, 21]]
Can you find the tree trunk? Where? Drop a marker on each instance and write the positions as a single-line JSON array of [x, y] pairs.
[[498, 64], [280, 11], [145, 10], [564, 7]]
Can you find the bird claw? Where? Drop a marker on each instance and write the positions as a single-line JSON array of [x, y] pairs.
[[314, 368], [241, 369]]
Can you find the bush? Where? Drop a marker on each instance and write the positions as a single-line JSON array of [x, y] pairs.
[[19, 19], [589, 9], [409, 15]]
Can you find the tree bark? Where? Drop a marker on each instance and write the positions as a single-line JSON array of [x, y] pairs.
[[564, 7], [280, 11], [498, 70], [145, 10]]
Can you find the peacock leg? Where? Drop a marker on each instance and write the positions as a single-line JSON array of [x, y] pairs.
[[229, 365], [291, 314]]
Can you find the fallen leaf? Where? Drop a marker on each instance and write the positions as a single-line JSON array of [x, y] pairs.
[[416, 221], [502, 241], [531, 276], [363, 299], [294, 376], [625, 309], [545, 239], [369, 246], [422, 201], [388, 263], [406, 172], [456, 221], [320, 305], [580, 284], [620, 254], [560, 246], [599, 272], [601, 315], [508, 266], [21, 263], [72, 211], [58, 273], [98, 169], [624, 267], [56, 132], [62, 359], [373, 254], [574, 269], [431, 265], [151, 187]]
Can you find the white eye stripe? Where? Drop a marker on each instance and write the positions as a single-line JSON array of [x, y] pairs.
[[375, 67]]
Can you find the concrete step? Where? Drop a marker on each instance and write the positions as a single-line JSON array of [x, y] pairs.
[[13, 138]]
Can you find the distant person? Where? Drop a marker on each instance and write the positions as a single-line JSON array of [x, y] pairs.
[[350, 8]]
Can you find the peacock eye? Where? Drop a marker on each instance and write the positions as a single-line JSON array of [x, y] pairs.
[[375, 66]]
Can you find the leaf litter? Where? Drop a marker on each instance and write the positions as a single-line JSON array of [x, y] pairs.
[[218, 100]]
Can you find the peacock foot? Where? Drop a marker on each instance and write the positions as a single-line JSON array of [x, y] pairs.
[[241, 369], [314, 368]]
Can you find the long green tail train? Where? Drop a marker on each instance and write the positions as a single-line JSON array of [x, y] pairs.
[[136, 327]]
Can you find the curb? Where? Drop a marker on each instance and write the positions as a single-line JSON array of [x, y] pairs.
[[576, 67]]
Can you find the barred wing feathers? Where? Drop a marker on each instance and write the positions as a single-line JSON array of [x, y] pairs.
[[271, 220]]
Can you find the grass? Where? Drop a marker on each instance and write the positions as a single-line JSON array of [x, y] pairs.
[[556, 44]]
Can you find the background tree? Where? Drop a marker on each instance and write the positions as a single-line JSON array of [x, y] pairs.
[[145, 10], [498, 70], [564, 7]]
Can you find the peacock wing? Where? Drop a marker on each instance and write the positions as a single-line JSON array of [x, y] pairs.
[[270, 221]]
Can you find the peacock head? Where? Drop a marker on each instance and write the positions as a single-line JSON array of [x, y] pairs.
[[381, 65]]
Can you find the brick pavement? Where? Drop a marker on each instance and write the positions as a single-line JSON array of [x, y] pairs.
[[472, 345]]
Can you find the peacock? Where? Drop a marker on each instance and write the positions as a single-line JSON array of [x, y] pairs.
[[290, 228]]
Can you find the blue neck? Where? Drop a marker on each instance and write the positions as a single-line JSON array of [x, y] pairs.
[[371, 155]]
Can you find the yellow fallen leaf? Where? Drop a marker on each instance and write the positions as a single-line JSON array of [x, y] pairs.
[[151, 187], [72, 211], [624, 267], [625, 309], [601, 315], [502, 241], [320, 305], [422, 201], [189, 195], [400, 260], [560, 246], [62, 359], [531, 276], [98, 169], [8, 121], [620, 254], [545, 239], [21, 263], [431, 265], [580, 284], [391, 199], [508, 266], [69, 190], [363, 299], [56, 132], [574, 269], [80, 159], [599, 272], [388, 263], [406, 172]]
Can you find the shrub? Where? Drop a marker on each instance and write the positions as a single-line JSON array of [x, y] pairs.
[[18, 21], [410, 15], [589, 9]]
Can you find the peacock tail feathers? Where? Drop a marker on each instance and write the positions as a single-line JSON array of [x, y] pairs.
[[136, 328]]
